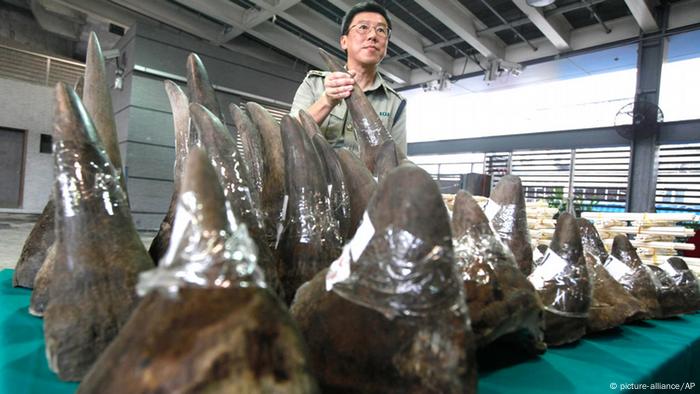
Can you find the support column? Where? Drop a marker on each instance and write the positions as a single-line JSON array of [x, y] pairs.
[[641, 189]]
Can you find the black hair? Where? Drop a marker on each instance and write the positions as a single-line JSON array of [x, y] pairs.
[[366, 6]]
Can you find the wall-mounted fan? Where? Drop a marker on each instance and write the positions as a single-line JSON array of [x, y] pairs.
[[638, 117]]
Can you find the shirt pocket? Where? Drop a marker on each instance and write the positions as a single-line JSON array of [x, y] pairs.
[[334, 126]]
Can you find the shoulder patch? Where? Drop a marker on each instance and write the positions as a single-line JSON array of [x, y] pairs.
[[317, 73], [390, 89]]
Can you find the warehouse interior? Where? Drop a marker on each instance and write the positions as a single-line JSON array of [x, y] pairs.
[[591, 104]]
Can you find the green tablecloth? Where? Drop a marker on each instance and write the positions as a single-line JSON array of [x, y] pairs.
[[662, 352], [23, 367]]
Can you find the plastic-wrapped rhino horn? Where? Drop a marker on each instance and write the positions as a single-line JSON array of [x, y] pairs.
[[98, 103], [395, 319], [678, 289], [35, 248], [40, 293], [686, 279], [563, 283], [591, 239], [611, 304], [370, 129], [360, 184], [251, 145], [228, 163], [626, 267], [388, 158], [216, 329], [340, 200], [97, 99], [179, 104], [502, 302], [308, 124], [310, 241], [272, 196], [200, 88], [506, 211], [98, 251]]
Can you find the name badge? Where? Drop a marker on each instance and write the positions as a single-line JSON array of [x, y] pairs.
[[383, 113]]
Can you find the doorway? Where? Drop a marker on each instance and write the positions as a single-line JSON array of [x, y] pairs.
[[11, 167]]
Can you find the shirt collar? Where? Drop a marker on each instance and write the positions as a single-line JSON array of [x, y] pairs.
[[378, 82]]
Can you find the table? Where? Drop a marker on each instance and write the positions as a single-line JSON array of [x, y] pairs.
[[23, 367], [655, 351]]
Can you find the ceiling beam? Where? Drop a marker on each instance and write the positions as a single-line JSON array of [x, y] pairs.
[[120, 16], [267, 10], [54, 22], [106, 11], [252, 17], [276, 36], [410, 41], [233, 15], [175, 16], [643, 14], [624, 28], [463, 23], [555, 28]]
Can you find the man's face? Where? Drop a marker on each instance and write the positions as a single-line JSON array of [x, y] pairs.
[[364, 42]]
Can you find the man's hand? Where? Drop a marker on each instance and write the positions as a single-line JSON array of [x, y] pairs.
[[338, 86]]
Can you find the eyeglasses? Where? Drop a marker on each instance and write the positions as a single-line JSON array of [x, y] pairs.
[[364, 28]]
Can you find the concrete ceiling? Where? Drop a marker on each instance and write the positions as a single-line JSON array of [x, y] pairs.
[[431, 39]]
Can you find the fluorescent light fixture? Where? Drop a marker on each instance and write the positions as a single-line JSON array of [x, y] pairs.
[[539, 3]]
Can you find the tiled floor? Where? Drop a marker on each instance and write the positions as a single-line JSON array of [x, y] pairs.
[[14, 229]]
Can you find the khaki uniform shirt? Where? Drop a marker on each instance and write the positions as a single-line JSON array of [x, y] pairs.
[[337, 127]]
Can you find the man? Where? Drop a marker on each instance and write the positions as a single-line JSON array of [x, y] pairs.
[[365, 33]]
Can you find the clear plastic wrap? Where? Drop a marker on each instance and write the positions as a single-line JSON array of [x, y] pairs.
[[625, 266], [677, 287], [510, 223], [485, 248], [559, 285], [590, 239], [506, 219], [500, 298], [538, 255], [311, 217], [98, 253], [76, 184], [678, 270], [387, 275], [237, 190], [612, 305], [200, 258], [623, 273]]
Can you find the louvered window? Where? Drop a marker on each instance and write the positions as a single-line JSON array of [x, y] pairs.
[[38, 69], [678, 180], [599, 177], [544, 173], [447, 170], [497, 164]]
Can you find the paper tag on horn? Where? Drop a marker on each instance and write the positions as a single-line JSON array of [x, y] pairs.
[[616, 268], [340, 268], [552, 265], [491, 209]]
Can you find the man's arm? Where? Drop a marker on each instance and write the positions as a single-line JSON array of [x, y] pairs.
[[336, 86]]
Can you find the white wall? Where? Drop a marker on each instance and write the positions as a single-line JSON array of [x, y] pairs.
[[29, 107]]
